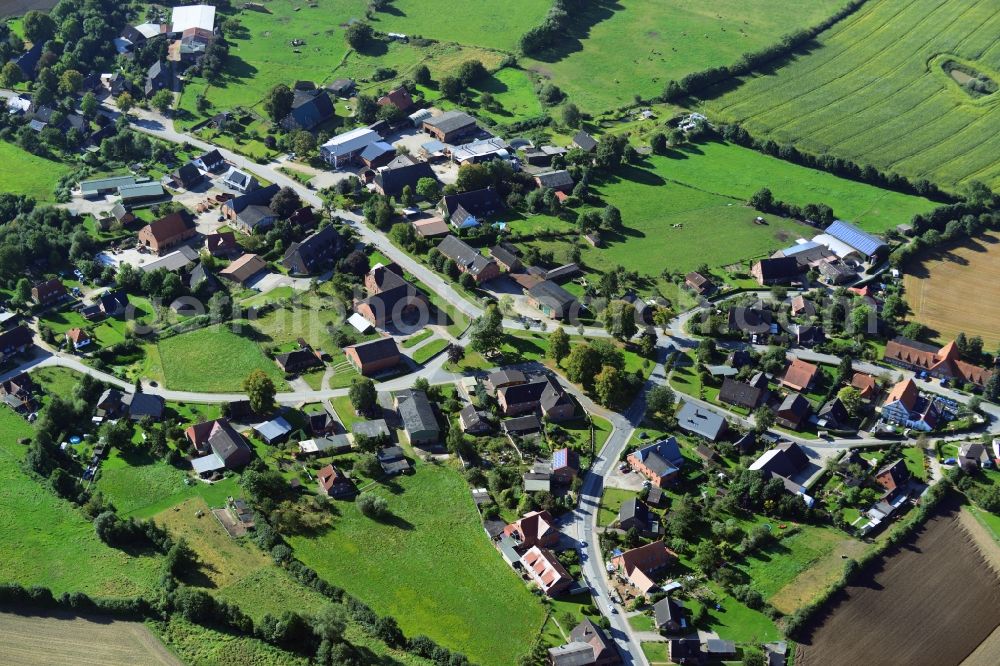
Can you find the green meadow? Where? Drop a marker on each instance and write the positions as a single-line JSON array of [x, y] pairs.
[[25, 173], [213, 360]]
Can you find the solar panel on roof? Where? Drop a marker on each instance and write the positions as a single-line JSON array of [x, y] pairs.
[[859, 240]]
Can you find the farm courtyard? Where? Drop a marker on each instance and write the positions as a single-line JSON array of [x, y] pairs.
[[955, 289]]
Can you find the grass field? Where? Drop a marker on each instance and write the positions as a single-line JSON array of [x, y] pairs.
[[24, 173], [735, 171], [874, 92], [429, 350], [201, 646], [479, 22], [213, 360], [713, 229], [611, 502], [63, 638], [48, 542], [937, 289], [431, 567], [617, 49]]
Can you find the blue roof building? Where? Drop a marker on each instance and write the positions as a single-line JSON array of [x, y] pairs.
[[867, 245]]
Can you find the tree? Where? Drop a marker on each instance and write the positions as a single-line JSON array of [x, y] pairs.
[[89, 106], [762, 200], [278, 102], [456, 353], [304, 142], [162, 101], [70, 82], [706, 557], [429, 189], [571, 116], [372, 506], [609, 386], [38, 27], [358, 34], [470, 71], [619, 320], [860, 316], [763, 419], [658, 143], [487, 332], [364, 397], [558, 345], [260, 391], [611, 217], [366, 108], [753, 657], [285, 202], [10, 75], [125, 102], [22, 292], [851, 399], [422, 75], [450, 87], [582, 364], [367, 465], [660, 401]]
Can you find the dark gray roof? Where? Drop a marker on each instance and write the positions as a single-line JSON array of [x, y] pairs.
[[141, 405], [553, 296], [667, 610], [522, 424], [555, 179], [375, 428], [416, 411], [393, 180], [467, 258], [740, 394], [317, 248], [225, 441], [450, 121], [376, 350], [584, 141], [256, 216], [259, 197], [309, 109], [504, 256], [477, 202]]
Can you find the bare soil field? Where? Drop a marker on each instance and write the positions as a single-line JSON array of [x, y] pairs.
[[931, 601], [19, 7], [958, 289], [62, 639]]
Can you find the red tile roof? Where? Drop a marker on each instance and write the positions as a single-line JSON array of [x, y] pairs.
[[799, 374]]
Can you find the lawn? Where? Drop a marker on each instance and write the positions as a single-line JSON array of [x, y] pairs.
[[479, 22], [213, 360], [611, 502], [616, 50], [655, 653], [873, 91], [667, 225], [49, 542], [25, 173], [416, 338], [737, 622], [430, 350], [431, 567], [735, 171], [104, 333]]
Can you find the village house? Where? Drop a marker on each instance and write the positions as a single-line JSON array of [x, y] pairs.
[[15, 341], [751, 321], [641, 566], [370, 358], [136, 406], [742, 394], [392, 299], [392, 179], [244, 269], [482, 269], [166, 233], [536, 528], [894, 477], [800, 375], [584, 142], [222, 244], [219, 444], [944, 362], [78, 338], [588, 646], [211, 161], [417, 415], [315, 252], [668, 616], [232, 209], [973, 456], [565, 465], [775, 271], [660, 462], [506, 259], [699, 283], [553, 301], [430, 227], [634, 514], [833, 415], [48, 292], [399, 98], [702, 422], [904, 405], [792, 412], [865, 384], [451, 126], [474, 421], [187, 176], [18, 393], [310, 109], [297, 360], [392, 460], [469, 209], [560, 181], [504, 377], [546, 571], [241, 181], [541, 394], [783, 462], [255, 219], [333, 483]]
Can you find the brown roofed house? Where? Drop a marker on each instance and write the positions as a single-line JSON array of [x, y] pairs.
[[536, 528], [78, 337], [46, 293], [640, 565], [165, 233], [373, 357], [945, 362], [893, 476], [699, 283], [800, 376], [333, 483], [222, 244], [546, 571], [865, 384], [399, 98], [244, 269]]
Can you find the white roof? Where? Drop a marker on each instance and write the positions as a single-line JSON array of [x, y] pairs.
[[359, 322], [193, 16], [208, 463], [350, 142], [323, 443], [760, 462], [838, 247], [418, 116], [174, 261], [149, 30], [18, 104]]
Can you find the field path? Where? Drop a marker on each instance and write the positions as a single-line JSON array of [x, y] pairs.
[[62, 639]]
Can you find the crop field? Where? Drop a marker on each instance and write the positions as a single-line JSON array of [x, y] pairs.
[[213, 360], [481, 22], [430, 566], [670, 225], [937, 290], [25, 173], [875, 92], [885, 612], [69, 640], [617, 49], [49, 542], [735, 171]]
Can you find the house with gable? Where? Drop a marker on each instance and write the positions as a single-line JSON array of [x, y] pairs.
[[906, 406], [660, 462]]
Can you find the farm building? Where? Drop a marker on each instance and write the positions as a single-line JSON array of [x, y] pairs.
[[391, 179], [418, 417], [219, 444], [166, 233], [347, 147], [776, 271], [399, 98], [848, 242], [451, 126], [310, 109], [553, 301], [471, 261], [945, 362], [541, 394], [370, 358], [480, 151]]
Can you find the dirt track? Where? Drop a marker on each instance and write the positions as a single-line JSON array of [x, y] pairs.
[[933, 601], [61, 639]]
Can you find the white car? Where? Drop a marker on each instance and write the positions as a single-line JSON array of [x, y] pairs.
[[612, 610]]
